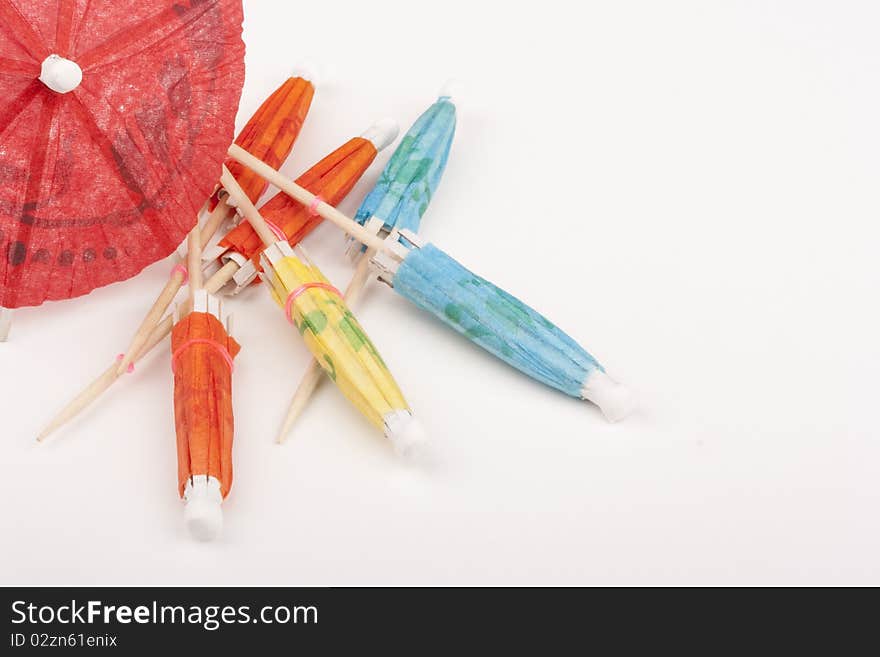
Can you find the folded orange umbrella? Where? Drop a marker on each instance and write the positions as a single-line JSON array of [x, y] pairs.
[[332, 179], [272, 130], [202, 361]]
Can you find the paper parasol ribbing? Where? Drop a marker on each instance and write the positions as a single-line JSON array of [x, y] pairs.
[[115, 118], [398, 200], [495, 330]]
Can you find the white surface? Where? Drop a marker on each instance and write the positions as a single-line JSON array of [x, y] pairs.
[[720, 158]]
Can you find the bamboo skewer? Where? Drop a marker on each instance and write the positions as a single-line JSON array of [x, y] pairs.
[[172, 287], [5, 323], [109, 376], [305, 197], [194, 262], [248, 209], [314, 374]]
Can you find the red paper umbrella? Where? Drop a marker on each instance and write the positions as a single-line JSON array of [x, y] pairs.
[[114, 122]]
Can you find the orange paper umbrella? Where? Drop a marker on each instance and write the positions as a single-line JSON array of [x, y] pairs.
[[202, 362], [332, 179], [273, 129]]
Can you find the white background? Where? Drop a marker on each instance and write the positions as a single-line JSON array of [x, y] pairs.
[[688, 188]]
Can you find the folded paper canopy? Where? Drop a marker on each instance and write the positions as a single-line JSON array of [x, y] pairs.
[[114, 122], [409, 180], [272, 131], [500, 323], [202, 362], [339, 344]]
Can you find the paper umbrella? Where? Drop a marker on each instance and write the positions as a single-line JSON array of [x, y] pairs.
[[115, 120], [483, 313], [332, 334], [202, 356], [398, 201]]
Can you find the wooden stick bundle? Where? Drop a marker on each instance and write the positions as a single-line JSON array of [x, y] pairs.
[[172, 287]]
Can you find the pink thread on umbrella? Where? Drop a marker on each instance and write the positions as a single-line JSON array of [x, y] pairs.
[[280, 234], [288, 306], [216, 346]]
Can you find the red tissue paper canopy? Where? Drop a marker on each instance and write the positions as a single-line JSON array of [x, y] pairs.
[[100, 182]]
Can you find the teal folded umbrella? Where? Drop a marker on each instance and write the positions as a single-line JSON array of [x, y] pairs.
[[499, 323], [409, 180]]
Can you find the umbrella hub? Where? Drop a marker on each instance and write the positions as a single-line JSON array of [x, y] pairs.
[[60, 74]]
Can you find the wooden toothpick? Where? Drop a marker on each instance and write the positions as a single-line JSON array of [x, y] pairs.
[[109, 376], [305, 197], [5, 323], [172, 287]]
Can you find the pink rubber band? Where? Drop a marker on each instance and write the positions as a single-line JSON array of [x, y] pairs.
[[130, 368], [276, 230], [216, 346], [313, 206], [182, 270], [288, 306]]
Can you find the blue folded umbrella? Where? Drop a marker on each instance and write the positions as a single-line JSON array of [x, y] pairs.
[[500, 323], [406, 186]]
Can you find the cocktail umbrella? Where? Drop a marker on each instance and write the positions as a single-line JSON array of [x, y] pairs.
[[332, 178], [398, 201], [273, 129], [202, 355], [114, 119], [483, 313], [332, 334], [270, 135]]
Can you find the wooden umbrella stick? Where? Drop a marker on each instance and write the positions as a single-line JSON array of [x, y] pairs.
[[97, 388], [109, 376], [248, 209], [194, 261], [5, 323], [314, 374], [305, 197], [172, 287]]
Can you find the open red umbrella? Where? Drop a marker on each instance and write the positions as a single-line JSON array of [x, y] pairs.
[[114, 122]]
